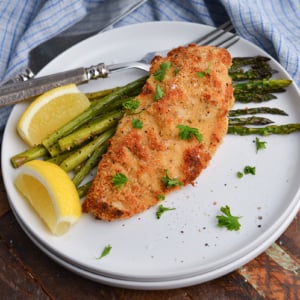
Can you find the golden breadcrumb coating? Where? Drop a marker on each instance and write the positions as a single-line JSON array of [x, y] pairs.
[[198, 93]]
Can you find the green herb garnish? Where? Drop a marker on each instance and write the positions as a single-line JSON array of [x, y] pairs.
[[249, 170], [161, 197], [161, 209], [186, 133], [170, 182], [201, 74], [131, 104], [176, 71], [136, 123], [161, 72], [228, 220], [158, 92], [259, 144], [119, 180], [239, 174], [105, 251]]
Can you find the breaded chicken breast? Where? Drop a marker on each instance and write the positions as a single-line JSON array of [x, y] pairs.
[[170, 139]]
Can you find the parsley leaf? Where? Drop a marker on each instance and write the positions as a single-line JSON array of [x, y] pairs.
[[249, 170], [105, 251], [259, 144], [239, 174], [186, 133], [201, 74], [161, 72], [161, 197], [158, 92], [228, 220], [136, 123], [161, 209], [170, 182], [119, 180], [131, 104]]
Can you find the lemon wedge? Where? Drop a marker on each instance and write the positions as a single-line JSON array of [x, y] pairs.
[[51, 193], [49, 112]]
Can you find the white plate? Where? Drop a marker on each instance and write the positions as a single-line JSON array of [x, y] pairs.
[[185, 246]]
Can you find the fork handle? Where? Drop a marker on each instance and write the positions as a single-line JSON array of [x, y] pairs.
[[15, 92]]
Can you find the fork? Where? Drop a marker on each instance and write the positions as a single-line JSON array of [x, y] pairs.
[[216, 37], [15, 92]]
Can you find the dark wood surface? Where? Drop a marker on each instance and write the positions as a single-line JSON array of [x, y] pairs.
[[27, 273]]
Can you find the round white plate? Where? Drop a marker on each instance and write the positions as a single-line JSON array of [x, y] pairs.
[[185, 246]]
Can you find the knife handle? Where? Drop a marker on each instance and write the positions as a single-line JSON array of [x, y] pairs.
[[15, 92]]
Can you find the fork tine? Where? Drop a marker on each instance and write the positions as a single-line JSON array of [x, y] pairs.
[[215, 37], [229, 41], [215, 34], [224, 27]]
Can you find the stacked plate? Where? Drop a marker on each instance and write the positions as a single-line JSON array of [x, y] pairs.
[[184, 247]]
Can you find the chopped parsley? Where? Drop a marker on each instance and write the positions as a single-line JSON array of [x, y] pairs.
[[239, 174], [161, 197], [259, 144], [161, 72], [201, 74], [228, 220], [170, 182], [105, 251], [161, 209], [119, 180], [186, 133], [131, 104], [249, 170], [176, 71], [158, 92], [136, 123]]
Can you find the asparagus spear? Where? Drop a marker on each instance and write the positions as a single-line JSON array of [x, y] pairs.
[[85, 152], [58, 159], [89, 164], [262, 86], [262, 71], [257, 110], [267, 130], [99, 94], [91, 112], [249, 121], [82, 190], [255, 97], [27, 155], [238, 62], [93, 128]]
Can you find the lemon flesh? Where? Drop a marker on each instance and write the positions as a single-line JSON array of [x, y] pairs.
[[51, 193], [49, 112]]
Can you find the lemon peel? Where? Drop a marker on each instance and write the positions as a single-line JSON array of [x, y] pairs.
[[51, 193], [50, 111]]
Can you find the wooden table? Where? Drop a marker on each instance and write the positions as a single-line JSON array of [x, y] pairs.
[[27, 273]]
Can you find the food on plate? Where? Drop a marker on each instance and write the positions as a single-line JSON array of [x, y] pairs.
[[50, 111], [51, 193], [170, 138]]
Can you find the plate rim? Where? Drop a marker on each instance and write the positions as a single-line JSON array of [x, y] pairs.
[[284, 223]]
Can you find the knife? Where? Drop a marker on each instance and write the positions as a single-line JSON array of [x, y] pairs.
[[13, 93]]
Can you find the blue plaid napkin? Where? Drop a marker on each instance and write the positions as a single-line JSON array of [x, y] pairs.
[[273, 25]]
